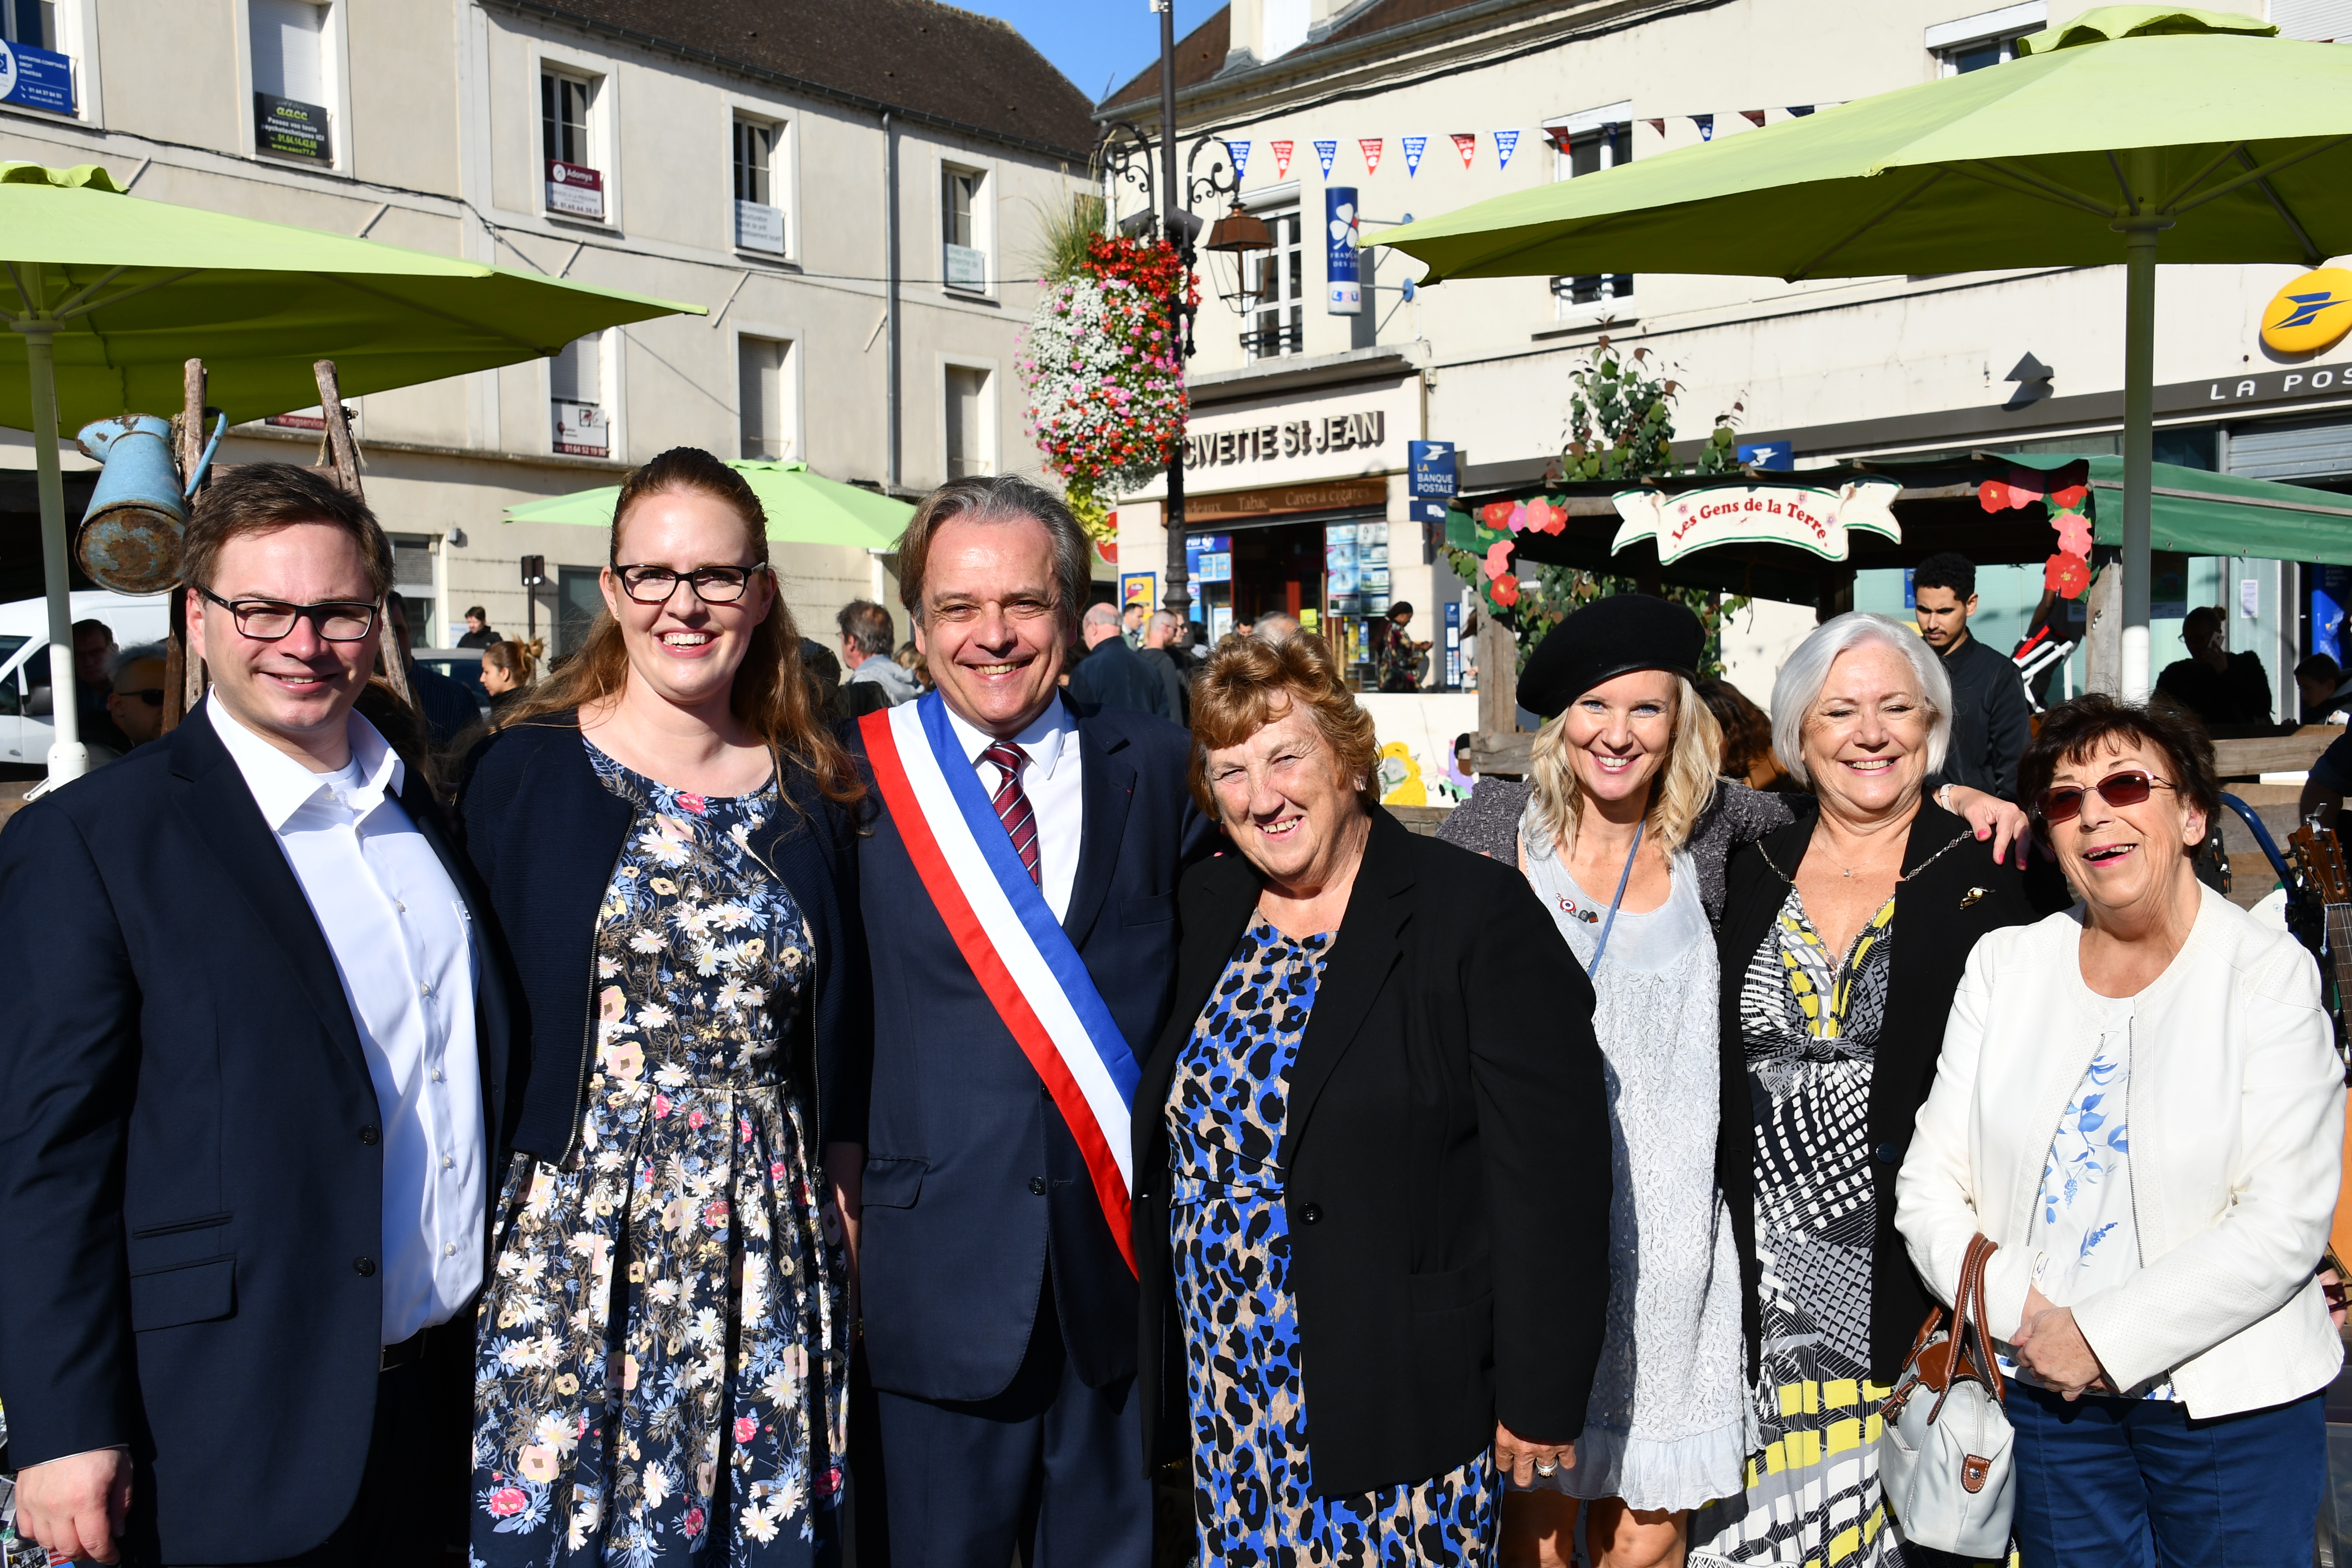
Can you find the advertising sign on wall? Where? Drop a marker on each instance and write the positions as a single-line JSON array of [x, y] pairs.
[[1342, 268], [287, 127], [759, 226], [1434, 478], [36, 79], [580, 429], [574, 190]]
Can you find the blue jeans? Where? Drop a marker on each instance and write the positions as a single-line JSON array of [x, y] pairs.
[[2134, 1483]]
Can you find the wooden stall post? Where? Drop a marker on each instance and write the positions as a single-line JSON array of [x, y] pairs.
[[1498, 747], [184, 678], [343, 458]]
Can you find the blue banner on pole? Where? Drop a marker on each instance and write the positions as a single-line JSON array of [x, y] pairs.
[[1344, 295], [36, 79], [1431, 464]]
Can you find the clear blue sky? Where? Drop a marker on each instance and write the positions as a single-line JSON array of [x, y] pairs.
[[1098, 43]]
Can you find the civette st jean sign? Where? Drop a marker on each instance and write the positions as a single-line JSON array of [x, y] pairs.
[[1287, 438]]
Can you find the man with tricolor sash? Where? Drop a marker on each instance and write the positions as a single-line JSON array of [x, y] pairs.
[[1018, 878]]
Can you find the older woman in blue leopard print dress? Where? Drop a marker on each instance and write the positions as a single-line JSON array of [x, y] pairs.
[[1334, 1125]]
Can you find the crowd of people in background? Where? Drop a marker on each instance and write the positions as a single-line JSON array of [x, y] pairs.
[[725, 1098]]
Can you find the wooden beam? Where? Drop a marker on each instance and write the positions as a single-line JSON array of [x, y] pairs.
[[2276, 754], [184, 678], [343, 453]]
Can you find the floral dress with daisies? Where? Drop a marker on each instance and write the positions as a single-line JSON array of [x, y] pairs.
[[663, 1368]]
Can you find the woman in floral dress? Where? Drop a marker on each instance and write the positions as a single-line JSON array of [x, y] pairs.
[[662, 1371]]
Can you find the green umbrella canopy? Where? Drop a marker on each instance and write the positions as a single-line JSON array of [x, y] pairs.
[[802, 508], [2131, 130], [2022, 165], [139, 287]]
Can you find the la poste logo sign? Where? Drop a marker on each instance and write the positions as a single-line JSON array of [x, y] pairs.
[[2312, 312]]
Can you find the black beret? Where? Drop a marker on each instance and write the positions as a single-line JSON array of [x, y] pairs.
[[1607, 638]]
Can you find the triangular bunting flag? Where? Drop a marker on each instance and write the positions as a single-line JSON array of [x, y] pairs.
[[1281, 158], [1369, 146], [1240, 149], [1705, 123], [1506, 143], [1800, 110], [1327, 151], [1413, 146], [1753, 116], [1560, 136], [1466, 143], [1657, 125]]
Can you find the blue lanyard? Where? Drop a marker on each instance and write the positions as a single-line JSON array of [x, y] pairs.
[[1626, 875]]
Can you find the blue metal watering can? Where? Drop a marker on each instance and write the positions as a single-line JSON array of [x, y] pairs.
[[129, 537]]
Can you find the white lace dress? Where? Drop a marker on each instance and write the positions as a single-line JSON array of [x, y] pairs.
[[1669, 1425]]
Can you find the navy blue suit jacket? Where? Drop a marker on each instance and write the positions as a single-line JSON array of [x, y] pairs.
[[545, 836], [974, 1183], [1115, 675], [191, 1167]]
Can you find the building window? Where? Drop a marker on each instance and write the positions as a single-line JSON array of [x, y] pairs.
[[967, 422], [575, 385], [1277, 323], [759, 216], [579, 599], [412, 577], [765, 393], [33, 22], [1586, 150], [289, 80], [575, 188], [1987, 39], [965, 262]]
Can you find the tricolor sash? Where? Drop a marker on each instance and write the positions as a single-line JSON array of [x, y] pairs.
[[1023, 959]]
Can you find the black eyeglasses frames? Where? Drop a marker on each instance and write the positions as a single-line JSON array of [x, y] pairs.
[[268, 620], [712, 585]]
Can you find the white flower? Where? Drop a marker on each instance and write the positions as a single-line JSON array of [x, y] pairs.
[[759, 1523]]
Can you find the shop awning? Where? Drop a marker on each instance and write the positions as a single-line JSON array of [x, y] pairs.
[[2203, 513]]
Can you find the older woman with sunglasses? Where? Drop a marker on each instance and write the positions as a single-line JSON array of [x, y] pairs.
[[2140, 1104]]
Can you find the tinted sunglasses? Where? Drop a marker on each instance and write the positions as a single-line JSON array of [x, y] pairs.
[[2063, 803], [152, 696]]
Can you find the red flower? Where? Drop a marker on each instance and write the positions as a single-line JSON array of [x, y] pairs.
[[693, 802], [507, 1501], [745, 1429], [693, 1523], [1993, 495], [1505, 591], [714, 1215], [2066, 575], [2070, 498]]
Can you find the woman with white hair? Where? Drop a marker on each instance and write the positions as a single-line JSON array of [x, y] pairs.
[[1841, 942]]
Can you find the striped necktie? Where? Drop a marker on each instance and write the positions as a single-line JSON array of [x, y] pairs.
[[1011, 802]]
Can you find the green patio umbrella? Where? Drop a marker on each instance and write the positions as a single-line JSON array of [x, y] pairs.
[[802, 508], [2130, 132], [108, 295]]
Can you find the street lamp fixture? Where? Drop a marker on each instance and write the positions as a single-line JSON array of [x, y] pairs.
[[1238, 237]]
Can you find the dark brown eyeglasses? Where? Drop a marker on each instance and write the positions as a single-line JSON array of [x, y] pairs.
[[2063, 803]]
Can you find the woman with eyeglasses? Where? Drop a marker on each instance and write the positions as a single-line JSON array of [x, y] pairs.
[[663, 1358], [2139, 1103]]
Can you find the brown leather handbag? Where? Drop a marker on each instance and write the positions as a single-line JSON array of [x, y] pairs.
[[1947, 1461]]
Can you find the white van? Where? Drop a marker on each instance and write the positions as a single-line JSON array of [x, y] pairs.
[[25, 729]]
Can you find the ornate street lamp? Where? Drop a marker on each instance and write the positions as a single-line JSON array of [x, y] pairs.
[[1239, 237]]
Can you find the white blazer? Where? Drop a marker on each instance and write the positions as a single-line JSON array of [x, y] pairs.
[[2236, 1110]]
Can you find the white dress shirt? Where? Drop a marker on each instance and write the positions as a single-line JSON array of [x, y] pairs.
[[1050, 779], [403, 948]]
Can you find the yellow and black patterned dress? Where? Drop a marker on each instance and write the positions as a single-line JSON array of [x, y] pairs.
[[1809, 1022]]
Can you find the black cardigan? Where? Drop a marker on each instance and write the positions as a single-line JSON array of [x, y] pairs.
[[1447, 1162], [545, 835], [1935, 926]]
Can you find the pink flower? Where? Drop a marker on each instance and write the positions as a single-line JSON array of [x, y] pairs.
[[693, 802], [745, 1429], [715, 1215], [744, 1136], [661, 1106], [507, 1501], [776, 1171], [693, 1523], [828, 1483], [695, 1119]]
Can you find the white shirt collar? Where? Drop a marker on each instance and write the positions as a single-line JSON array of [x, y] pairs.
[[1042, 739], [282, 786]]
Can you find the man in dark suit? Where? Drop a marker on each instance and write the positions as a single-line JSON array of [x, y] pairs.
[[1114, 675], [250, 1097], [999, 1304], [1991, 719]]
